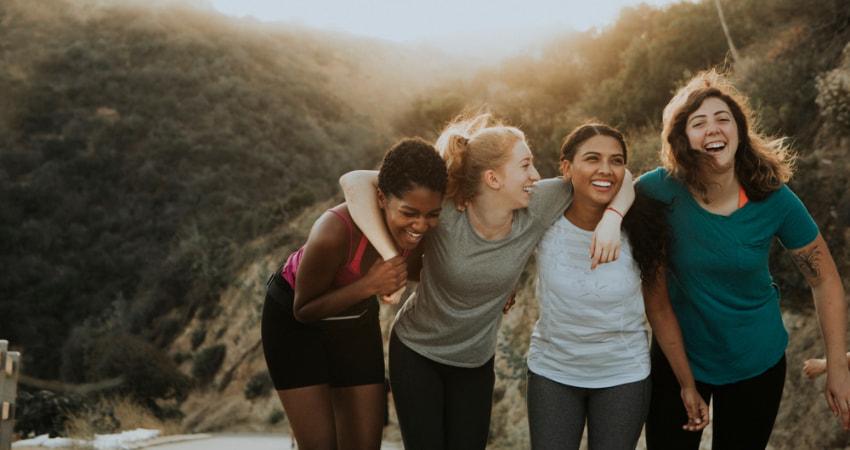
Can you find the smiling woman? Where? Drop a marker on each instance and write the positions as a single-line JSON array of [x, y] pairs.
[[320, 330], [726, 185]]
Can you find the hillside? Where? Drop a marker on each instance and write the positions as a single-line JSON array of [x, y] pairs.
[[158, 162]]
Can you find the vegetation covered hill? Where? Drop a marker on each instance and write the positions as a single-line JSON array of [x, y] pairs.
[[141, 147], [157, 163]]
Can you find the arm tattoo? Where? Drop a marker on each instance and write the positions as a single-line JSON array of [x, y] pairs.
[[807, 262]]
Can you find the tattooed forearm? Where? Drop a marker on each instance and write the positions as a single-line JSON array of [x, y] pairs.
[[807, 262]]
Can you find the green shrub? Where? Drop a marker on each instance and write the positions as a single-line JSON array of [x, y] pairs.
[[258, 385], [206, 363]]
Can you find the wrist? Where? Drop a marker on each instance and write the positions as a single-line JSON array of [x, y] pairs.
[[612, 209]]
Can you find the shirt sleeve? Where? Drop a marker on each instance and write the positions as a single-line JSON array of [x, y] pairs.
[[550, 199], [798, 229]]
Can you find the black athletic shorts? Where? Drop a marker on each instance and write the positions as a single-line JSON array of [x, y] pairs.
[[338, 352]]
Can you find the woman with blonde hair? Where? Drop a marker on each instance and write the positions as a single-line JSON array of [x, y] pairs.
[[443, 341], [725, 183]]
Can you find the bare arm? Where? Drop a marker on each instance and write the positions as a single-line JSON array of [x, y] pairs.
[[817, 266], [325, 252], [665, 327], [361, 194], [605, 246]]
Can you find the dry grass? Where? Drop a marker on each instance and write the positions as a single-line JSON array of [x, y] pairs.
[[131, 415]]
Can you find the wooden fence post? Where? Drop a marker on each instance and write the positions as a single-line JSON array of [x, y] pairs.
[[9, 365]]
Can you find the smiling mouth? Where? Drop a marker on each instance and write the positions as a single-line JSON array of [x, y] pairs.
[[715, 147], [602, 184]]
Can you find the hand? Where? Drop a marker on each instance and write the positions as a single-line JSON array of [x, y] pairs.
[[394, 298], [837, 391], [511, 302], [605, 246], [388, 276], [697, 410]]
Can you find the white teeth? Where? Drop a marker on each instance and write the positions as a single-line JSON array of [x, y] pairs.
[[715, 146], [527, 189], [415, 235], [602, 183]]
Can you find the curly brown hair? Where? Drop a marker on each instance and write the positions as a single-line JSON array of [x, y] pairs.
[[762, 165]]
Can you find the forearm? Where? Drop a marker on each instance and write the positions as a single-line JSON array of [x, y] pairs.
[[625, 196], [832, 312], [361, 195], [665, 327], [331, 303]]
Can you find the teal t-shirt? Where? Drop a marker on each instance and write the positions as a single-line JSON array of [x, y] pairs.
[[719, 280]]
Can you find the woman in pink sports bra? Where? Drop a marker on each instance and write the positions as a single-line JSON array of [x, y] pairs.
[[320, 329]]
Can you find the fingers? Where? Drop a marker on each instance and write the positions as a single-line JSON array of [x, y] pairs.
[[511, 302], [393, 298]]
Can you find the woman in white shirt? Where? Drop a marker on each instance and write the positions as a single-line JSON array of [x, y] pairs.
[[589, 355]]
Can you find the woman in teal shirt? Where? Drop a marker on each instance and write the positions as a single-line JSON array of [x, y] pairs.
[[725, 184]]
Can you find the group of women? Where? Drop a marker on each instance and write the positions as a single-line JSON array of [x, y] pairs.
[[462, 217]]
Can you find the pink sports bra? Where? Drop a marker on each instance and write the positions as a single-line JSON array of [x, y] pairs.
[[346, 274]]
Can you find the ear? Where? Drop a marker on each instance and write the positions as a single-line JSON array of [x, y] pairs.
[[491, 179], [565, 169], [382, 199]]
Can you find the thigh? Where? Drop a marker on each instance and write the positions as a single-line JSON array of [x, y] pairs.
[[615, 415], [311, 416], [355, 350], [418, 396], [468, 404], [293, 351], [359, 415], [667, 413], [744, 412], [556, 414]]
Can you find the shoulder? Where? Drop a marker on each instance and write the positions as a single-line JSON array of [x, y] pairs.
[[658, 184], [332, 231]]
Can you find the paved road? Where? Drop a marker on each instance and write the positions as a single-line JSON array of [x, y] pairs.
[[252, 441]]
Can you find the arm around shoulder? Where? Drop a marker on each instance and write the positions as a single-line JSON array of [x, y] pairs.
[[361, 194]]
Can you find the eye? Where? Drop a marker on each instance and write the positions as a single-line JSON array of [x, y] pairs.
[[409, 215]]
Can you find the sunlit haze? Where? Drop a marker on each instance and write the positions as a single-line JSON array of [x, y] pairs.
[[404, 21]]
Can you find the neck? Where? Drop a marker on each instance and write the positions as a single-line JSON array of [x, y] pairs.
[[489, 219], [584, 215], [722, 186]]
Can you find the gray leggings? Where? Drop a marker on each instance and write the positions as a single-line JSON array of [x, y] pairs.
[[557, 413]]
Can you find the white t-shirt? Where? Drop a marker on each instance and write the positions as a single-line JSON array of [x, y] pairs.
[[591, 331]]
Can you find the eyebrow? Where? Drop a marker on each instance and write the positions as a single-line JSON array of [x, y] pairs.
[[703, 116]]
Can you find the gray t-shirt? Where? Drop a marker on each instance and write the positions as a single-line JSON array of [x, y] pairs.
[[454, 314]]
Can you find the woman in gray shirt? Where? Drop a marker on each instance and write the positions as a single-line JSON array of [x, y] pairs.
[[443, 341]]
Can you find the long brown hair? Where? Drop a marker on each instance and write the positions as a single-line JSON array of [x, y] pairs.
[[762, 165]]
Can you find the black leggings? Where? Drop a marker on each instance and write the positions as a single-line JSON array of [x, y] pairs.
[[743, 415], [440, 406]]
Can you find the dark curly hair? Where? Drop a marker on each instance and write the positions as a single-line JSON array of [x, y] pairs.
[[411, 163], [649, 235]]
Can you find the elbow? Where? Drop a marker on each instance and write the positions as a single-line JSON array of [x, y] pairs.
[[302, 313]]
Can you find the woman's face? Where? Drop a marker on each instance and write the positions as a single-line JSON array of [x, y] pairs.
[[518, 176], [712, 129], [596, 170], [408, 217]]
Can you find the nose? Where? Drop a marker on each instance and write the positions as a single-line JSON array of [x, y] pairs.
[[605, 167], [420, 224], [534, 174]]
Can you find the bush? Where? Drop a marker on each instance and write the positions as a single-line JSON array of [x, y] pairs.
[[207, 362], [258, 385], [834, 97]]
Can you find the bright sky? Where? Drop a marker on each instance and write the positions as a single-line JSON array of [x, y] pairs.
[[415, 20]]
